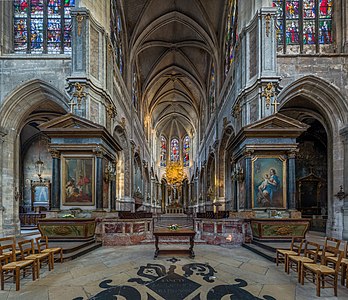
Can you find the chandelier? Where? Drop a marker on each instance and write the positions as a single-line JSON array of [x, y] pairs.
[[175, 173]]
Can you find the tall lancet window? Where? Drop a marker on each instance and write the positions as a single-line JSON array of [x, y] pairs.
[[163, 152], [135, 93], [174, 151], [116, 34], [212, 89], [42, 26], [304, 23], [231, 33], [186, 151]]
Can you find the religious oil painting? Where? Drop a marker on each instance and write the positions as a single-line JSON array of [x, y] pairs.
[[40, 193], [269, 182], [78, 180]]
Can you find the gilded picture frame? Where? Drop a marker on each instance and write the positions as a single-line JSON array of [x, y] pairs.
[[269, 180], [78, 180]]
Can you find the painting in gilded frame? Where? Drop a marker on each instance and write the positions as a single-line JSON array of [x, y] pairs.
[[78, 180], [268, 182]]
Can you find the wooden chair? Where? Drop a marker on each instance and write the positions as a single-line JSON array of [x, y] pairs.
[[42, 246], [295, 249], [322, 275], [330, 243], [296, 262], [13, 268], [344, 263], [11, 240], [28, 253]]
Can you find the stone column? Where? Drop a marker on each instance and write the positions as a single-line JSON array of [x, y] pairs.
[[113, 195], [55, 189], [291, 180], [344, 132], [2, 207], [248, 183], [99, 179]]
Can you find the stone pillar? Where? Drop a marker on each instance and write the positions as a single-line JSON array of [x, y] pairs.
[[344, 132], [291, 180], [55, 189], [2, 207], [248, 183], [113, 195], [99, 179]]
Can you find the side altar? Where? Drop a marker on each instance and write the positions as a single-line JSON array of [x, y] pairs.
[[263, 159]]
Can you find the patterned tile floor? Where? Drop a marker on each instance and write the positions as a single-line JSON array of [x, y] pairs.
[[131, 272]]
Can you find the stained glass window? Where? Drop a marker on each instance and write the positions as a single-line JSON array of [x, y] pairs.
[[174, 153], [39, 26], [307, 22], [186, 151], [163, 151], [135, 90], [231, 33], [212, 89], [116, 34]]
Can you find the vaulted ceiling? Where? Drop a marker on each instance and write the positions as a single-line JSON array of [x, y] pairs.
[[172, 45]]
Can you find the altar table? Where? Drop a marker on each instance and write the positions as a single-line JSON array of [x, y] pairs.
[[181, 232]]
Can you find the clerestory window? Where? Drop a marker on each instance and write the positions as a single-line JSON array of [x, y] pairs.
[[303, 25], [42, 26]]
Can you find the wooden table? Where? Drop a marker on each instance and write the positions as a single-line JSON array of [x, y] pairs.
[[175, 233]]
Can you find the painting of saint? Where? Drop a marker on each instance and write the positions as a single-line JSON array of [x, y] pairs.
[[78, 181], [269, 184]]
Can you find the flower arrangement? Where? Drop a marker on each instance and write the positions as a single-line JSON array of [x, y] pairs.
[[173, 227], [68, 216]]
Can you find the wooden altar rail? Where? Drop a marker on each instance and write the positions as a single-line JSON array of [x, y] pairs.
[[30, 219], [178, 210]]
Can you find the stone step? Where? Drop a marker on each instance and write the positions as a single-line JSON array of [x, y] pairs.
[[172, 241], [268, 254], [81, 251]]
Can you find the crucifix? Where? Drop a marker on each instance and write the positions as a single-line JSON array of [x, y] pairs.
[[72, 104], [275, 104]]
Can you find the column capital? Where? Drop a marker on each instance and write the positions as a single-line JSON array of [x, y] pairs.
[[54, 153]]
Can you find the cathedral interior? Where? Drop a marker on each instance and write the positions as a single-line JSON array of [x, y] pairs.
[[215, 112]]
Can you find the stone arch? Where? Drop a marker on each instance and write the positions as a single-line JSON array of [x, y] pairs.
[[14, 111], [314, 97]]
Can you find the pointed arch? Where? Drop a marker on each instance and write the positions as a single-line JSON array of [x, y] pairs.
[[18, 104]]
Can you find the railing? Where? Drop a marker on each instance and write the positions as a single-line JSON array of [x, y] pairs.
[[30, 219]]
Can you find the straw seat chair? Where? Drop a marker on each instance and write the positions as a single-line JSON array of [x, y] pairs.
[[329, 243], [295, 249], [42, 246], [28, 253], [344, 263], [295, 262], [322, 275], [9, 241], [13, 268]]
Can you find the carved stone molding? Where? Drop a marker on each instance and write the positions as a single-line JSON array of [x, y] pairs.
[[79, 19], [268, 93], [111, 111]]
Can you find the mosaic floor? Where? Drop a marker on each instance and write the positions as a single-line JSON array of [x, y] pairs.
[[132, 273]]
